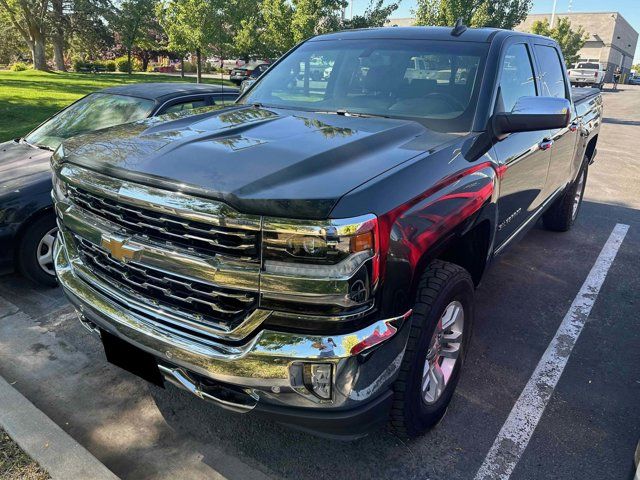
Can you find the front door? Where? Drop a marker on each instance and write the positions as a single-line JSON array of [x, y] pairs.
[[524, 156]]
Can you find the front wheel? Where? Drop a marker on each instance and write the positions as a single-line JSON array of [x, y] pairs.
[[562, 214], [438, 340], [35, 256]]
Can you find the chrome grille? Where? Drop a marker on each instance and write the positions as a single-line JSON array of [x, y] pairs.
[[202, 302], [174, 230]]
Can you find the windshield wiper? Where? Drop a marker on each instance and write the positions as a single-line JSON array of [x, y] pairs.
[[346, 113]]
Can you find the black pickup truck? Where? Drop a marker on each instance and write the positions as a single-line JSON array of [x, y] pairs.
[[311, 253]]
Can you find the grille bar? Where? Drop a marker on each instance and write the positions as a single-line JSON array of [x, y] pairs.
[[167, 228], [204, 302]]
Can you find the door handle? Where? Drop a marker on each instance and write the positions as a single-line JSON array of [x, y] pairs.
[[545, 144], [573, 126]]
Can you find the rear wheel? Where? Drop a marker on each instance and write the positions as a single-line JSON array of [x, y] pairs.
[[35, 256], [562, 214], [440, 330]]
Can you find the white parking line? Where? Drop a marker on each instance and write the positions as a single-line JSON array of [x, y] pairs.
[[517, 430]]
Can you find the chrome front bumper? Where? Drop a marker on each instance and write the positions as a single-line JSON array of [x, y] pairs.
[[264, 366]]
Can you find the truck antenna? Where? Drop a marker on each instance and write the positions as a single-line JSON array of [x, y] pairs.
[[459, 28]]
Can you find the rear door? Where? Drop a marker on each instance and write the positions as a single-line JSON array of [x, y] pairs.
[[524, 156], [553, 83]]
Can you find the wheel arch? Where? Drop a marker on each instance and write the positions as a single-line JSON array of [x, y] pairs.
[[24, 226], [590, 149]]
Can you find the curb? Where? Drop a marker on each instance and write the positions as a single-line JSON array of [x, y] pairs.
[[44, 441]]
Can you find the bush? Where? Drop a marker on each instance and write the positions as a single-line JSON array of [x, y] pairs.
[[19, 67], [80, 65], [110, 65], [189, 67], [123, 65]]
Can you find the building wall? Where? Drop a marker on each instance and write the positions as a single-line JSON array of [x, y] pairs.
[[400, 22], [612, 40]]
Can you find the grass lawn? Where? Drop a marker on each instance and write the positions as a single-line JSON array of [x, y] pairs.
[[15, 464], [30, 97]]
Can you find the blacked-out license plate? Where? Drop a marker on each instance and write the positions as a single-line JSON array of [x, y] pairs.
[[131, 358]]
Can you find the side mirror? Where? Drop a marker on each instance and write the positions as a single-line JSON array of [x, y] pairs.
[[530, 114]]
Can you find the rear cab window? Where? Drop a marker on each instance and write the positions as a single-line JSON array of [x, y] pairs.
[[552, 78]]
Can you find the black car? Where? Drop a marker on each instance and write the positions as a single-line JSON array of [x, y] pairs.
[[240, 74], [27, 222]]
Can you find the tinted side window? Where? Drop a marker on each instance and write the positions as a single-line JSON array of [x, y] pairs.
[[180, 107], [551, 76], [516, 77], [226, 99]]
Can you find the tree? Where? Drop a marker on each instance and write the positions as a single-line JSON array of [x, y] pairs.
[[151, 43], [376, 15], [313, 17], [58, 22], [570, 40], [87, 31], [192, 25], [12, 47], [474, 13], [132, 18], [277, 35], [29, 17]]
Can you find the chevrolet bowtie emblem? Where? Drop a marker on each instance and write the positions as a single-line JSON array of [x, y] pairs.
[[117, 247]]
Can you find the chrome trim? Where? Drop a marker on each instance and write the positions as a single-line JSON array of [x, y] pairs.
[[262, 362], [219, 271], [337, 227], [157, 314], [162, 201], [181, 379]]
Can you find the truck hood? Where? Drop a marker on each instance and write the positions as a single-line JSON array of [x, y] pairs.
[[259, 160], [22, 165]]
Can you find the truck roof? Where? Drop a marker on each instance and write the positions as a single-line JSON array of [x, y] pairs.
[[416, 33]]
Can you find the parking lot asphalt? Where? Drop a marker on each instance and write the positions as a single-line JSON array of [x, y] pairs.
[[589, 429]]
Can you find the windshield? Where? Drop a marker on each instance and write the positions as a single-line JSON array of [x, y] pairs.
[[432, 82], [93, 112], [588, 66]]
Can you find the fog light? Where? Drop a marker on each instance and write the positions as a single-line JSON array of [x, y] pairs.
[[317, 378]]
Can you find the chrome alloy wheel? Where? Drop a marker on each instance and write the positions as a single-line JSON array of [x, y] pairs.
[[578, 196], [44, 252], [443, 352]]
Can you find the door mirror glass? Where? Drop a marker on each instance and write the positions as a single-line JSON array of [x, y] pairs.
[[530, 114]]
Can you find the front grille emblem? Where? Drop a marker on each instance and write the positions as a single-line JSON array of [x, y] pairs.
[[118, 249]]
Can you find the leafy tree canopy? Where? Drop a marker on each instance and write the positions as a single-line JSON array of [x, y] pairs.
[[474, 13], [570, 40]]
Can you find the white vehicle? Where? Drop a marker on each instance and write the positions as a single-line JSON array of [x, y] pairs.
[[587, 74]]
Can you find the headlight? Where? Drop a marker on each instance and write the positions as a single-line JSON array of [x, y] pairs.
[[320, 267]]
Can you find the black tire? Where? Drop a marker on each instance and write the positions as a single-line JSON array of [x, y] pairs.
[[27, 257], [441, 284], [560, 216]]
